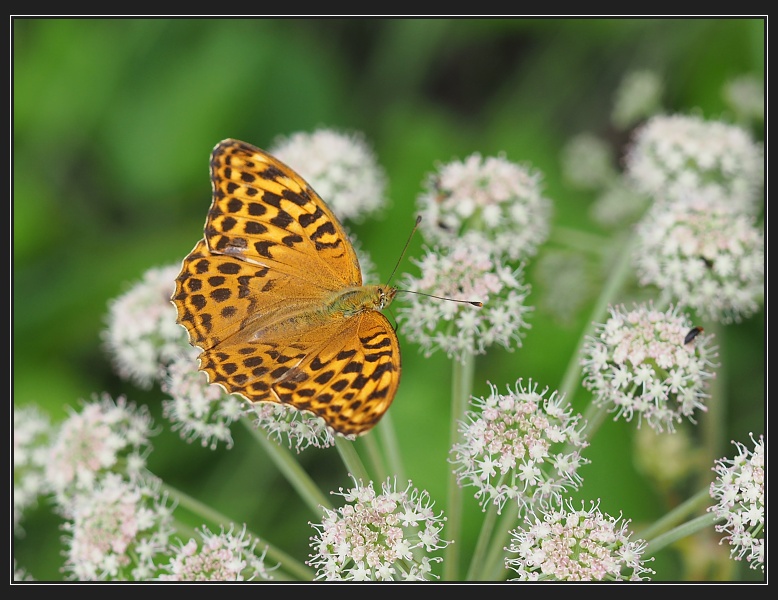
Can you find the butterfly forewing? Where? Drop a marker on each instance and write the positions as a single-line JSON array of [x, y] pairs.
[[265, 297], [264, 212]]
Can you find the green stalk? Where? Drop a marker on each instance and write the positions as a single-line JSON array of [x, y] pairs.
[[712, 423], [576, 239], [593, 416], [289, 467], [475, 572], [391, 448], [680, 532], [351, 459], [676, 515], [461, 388], [495, 561], [619, 275], [374, 455]]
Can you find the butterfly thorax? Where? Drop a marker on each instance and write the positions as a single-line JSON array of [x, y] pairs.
[[339, 304], [354, 300]]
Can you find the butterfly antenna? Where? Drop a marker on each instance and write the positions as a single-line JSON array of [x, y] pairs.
[[470, 302], [405, 248]]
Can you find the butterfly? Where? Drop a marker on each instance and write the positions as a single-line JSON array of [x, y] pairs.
[[273, 297]]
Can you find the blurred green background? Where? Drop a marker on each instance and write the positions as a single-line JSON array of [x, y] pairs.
[[113, 123]]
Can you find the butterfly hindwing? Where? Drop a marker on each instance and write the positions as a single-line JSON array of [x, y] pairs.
[[346, 372]]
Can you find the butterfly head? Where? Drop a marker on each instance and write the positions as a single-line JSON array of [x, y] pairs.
[[385, 296]]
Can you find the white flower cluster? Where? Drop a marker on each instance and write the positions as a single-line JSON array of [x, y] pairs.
[[226, 556], [117, 531], [639, 364], [681, 158], [32, 436], [638, 96], [706, 258], [569, 544], [142, 335], [292, 427], [378, 536], [106, 436], [519, 447], [491, 202], [195, 408], [739, 494], [465, 273]]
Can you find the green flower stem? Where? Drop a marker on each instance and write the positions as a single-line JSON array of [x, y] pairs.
[[619, 275], [291, 469], [712, 423], [370, 445], [476, 570], [351, 459], [194, 506], [680, 532], [390, 446], [294, 568], [677, 515], [462, 386], [578, 240], [495, 561], [593, 416]]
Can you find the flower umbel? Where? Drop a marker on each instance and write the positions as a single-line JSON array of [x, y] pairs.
[[638, 364], [676, 157], [141, 334], [618, 205], [467, 273], [668, 458], [292, 427], [226, 556], [198, 410], [106, 436], [496, 204], [378, 537], [588, 162], [705, 257], [513, 448], [745, 96], [576, 545], [638, 96], [565, 283], [32, 434], [739, 493], [117, 531]]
